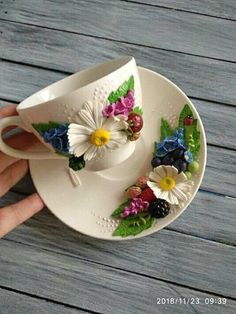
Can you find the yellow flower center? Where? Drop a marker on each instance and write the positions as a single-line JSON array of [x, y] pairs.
[[100, 137], [167, 183]]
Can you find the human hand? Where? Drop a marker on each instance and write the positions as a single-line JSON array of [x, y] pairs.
[[11, 171]]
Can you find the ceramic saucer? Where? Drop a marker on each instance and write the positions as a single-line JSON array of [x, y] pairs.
[[87, 208]]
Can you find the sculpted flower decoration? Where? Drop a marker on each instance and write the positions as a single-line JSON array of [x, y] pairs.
[[57, 137], [94, 134], [166, 183], [171, 143], [97, 127]]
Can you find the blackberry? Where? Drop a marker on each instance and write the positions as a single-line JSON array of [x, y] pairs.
[[76, 163], [159, 208], [178, 153], [180, 165], [156, 162], [167, 160]]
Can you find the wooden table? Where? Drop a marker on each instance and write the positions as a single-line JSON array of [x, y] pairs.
[[45, 267]]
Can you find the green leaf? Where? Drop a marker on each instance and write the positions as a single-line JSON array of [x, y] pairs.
[[186, 111], [122, 90], [43, 127], [166, 130], [195, 151], [133, 225], [120, 209], [189, 130], [192, 138], [138, 110], [63, 153]]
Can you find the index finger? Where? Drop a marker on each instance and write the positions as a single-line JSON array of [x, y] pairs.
[[7, 111]]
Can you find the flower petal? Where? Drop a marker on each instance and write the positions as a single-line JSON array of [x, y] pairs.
[[172, 198], [88, 106], [171, 171], [164, 195], [78, 134], [101, 150], [97, 114], [119, 136], [180, 194], [91, 152], [181, 177], [78, 139], [113, 145], [112, 124], [185, 186], [79, 129], [156, 190], [87, 118], [80, 149], [154, 176], [160, 170]]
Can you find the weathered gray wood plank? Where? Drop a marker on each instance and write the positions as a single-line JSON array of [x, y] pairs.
[[131, 22], [218, 223], [209, 216], [216, 118], [220, 175], [183, 259], [199, 77], [15, 303], [218, 8], [94, 287]]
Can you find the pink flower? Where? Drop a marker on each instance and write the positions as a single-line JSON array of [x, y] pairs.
[[120, 108], [128, 100], [137, 205], [109, 111]]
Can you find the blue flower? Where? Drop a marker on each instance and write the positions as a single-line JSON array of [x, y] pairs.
[[188, 156], [179, 133], [171, 143], [57, 137]]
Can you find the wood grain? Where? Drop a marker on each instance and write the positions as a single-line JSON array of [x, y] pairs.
[[192, 257], [15, 303], [131, 22], [183, 259], [206, 217], [198, 77], [218, 8], [62, 278]]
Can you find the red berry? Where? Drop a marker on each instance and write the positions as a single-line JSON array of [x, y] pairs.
[[188, 120], [147, 195], [135, 122]]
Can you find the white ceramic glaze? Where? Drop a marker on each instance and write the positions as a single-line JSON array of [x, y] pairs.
[[87, 208], [61, 101]]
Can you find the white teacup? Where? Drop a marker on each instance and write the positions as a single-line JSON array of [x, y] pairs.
[[88, 109]]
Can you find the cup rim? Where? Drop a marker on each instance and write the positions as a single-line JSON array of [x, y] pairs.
[[119, 62]]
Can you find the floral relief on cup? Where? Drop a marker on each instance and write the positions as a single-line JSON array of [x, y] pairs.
[[100, 126]]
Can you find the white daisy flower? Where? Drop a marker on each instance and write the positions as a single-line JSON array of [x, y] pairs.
[[95, 134], [168, 184]]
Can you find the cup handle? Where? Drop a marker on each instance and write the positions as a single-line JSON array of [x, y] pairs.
[[17, 121]]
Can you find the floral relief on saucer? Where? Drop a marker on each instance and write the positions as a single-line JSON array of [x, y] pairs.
[[168, 186]]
